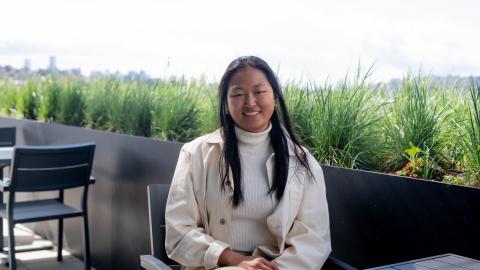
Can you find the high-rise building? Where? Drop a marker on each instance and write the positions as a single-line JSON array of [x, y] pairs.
[[52, 67], [27, 64]]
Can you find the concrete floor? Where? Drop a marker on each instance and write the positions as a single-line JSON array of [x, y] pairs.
[[45, 259]]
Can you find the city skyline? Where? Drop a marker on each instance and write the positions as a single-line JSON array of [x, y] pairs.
[[301, 39]]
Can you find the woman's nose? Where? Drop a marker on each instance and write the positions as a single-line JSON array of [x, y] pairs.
[[250, 100]]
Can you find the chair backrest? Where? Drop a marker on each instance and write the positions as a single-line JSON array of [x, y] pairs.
[[157, 201], [42, 168], [7, 136]]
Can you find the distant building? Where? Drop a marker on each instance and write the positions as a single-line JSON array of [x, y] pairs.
[[76, 72], [94, 74], [27, 65], [131, 75], [52, 66], [143, 75], [26, 72]]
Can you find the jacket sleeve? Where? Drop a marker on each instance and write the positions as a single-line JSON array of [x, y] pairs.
[[186, 241], [308, 241]]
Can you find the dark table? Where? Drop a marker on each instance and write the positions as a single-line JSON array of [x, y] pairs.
[[441, 262]]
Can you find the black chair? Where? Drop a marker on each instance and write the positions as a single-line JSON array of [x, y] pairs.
[[7, 136], [47, 168], [157, 200], [7, 139]]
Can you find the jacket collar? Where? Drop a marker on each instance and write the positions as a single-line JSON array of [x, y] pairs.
[[216, 138]]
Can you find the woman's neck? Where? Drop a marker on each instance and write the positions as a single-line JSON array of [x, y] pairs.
[[252, 138]]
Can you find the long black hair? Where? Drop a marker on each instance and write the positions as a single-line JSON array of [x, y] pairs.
[[281, 128]]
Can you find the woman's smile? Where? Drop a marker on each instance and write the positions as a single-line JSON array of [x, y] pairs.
[[250, 113]]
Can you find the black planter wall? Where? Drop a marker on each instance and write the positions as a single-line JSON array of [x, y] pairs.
[[378, 219], [375, 218]]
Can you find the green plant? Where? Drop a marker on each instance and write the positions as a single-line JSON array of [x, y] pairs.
[[28, 105], [472, 138], [137, 110], [338, 124], [300, 103], [50, 99], [102, 95], [9, 93], [352, 124], [420, 164], [415, 116], [454, 131], [207, 106], [72, 103], [176, 116]]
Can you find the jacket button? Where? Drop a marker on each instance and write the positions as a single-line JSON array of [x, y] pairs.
[[222, 221]]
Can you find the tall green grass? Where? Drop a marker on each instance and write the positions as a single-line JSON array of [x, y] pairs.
[[72, 103], [176, 116], [50, 99], [28, 100], [300, 103], [207, 105], [101, 94], [8, 95], [354, 124], [137, 109], [338, 123], [417, 116], [453, 131], [472, 138], [120, 106]]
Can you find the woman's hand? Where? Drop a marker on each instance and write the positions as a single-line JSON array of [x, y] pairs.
[[232, 258], [253, 263]]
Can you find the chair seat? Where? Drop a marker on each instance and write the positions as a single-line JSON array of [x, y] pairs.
[[31, 211]]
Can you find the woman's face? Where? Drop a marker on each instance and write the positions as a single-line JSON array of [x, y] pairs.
[[250, 99]]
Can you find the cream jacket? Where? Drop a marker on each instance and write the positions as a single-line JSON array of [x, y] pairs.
[[198, 213]]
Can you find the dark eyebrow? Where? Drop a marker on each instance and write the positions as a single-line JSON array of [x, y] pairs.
[[260, 84], [236, 87]]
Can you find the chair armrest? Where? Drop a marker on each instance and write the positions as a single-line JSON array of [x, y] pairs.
[[333, 263], [92, 180], [149, 262]]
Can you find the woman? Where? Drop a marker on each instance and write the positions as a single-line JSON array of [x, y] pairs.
[[248, 195]]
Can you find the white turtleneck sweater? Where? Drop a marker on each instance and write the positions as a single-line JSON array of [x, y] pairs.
[[249, 219]]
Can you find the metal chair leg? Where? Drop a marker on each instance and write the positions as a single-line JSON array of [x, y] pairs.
[[11, 246], [1, 219], [86, 243], [60, 240], [1, 231]]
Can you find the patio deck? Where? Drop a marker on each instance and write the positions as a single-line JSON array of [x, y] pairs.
[[45, 259]]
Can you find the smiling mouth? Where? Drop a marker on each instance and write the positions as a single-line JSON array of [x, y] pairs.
[[250, 113]]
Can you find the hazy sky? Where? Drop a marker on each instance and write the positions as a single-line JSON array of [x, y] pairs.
[[300, 38]]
